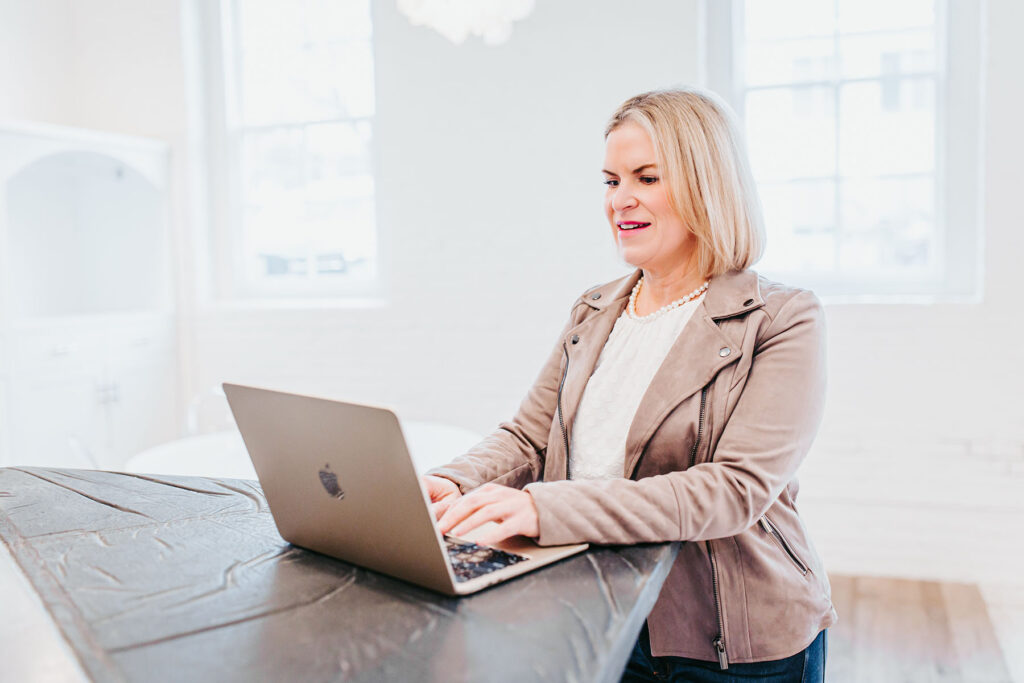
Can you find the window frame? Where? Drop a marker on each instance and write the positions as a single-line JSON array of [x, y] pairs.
[[959, 219]]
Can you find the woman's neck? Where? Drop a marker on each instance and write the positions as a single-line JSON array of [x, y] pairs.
[[661, 289]]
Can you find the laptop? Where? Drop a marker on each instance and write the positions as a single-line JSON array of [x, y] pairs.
[[339, 481]]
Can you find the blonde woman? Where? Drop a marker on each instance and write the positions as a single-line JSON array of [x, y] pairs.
[[677, 405]]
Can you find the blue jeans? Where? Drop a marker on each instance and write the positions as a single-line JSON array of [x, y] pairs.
[[803, 667]]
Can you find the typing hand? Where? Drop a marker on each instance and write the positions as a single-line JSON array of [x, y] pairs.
[[443, 493], [512, 509]]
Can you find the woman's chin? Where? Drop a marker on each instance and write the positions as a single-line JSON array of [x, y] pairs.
[[632, 260], [630, 257]]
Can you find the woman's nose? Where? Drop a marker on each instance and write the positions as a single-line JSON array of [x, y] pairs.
[[623, 198]]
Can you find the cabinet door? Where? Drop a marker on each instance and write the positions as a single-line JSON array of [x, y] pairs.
[[58, 423], [143, 410]]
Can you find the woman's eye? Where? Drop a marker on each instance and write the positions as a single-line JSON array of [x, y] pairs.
[[611, 182], [648, 179]]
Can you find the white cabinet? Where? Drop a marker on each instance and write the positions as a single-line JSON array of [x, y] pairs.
[[88, 357]]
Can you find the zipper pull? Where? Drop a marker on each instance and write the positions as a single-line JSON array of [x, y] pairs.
[[764, 524], [723, 660]]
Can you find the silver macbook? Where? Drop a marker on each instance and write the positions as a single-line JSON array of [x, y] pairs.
[[339, 480]]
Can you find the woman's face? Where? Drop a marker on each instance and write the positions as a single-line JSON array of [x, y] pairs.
[[648, 231]]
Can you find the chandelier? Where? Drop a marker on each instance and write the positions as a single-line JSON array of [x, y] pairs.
[[491, 20]]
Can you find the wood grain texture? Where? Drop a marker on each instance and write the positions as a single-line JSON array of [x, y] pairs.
[[904, 630]]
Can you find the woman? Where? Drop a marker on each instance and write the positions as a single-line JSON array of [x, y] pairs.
[[677, 405]]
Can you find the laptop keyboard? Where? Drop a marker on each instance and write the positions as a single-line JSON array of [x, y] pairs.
[[470, 560]]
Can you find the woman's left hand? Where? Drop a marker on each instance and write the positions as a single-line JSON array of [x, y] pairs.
[[512, 509]]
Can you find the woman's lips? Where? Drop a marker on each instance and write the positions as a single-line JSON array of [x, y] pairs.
[[631, 226]]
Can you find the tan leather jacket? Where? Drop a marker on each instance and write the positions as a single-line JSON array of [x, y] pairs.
[[711, 458]]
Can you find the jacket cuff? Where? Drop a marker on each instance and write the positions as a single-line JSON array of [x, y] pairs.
[[548, 498], [464, 483]]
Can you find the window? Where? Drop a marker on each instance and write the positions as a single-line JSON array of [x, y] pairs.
[[862, 125], [294, 128]]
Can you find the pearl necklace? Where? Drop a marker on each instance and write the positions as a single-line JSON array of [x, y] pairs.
[[631, 308]]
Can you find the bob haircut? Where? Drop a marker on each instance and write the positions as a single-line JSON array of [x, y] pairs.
[[705, 165]]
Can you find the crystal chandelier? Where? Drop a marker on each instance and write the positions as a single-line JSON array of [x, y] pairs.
[[458, 19]]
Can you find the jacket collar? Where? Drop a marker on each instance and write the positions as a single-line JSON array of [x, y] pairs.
[[728, 294]]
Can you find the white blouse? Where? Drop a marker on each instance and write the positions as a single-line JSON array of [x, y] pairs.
[[628, 362]]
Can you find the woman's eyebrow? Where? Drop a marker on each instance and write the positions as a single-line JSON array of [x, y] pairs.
[[639, 169]]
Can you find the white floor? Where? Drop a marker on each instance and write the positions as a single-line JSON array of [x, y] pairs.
[[1005, 602], [31, 648]]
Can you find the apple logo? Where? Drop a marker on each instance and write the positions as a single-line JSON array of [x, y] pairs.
[[330, 481]]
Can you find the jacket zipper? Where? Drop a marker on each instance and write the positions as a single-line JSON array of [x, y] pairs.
[[719, 642], [561, 422], [774, 532], [700, 425]]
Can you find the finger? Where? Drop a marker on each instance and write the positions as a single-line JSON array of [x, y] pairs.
[[488, 513], [501, 532], [464, 506], [442, 506], [456, 514], [437, 489]]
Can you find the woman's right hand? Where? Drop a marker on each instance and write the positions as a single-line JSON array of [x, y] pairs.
[[443, 493]]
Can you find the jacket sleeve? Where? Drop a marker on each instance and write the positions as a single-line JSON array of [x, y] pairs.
[[513, 455], [764, 441]]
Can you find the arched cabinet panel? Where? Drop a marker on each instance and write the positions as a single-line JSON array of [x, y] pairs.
[[88, 357]]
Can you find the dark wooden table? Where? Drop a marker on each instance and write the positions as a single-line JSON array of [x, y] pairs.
[[186, 578]]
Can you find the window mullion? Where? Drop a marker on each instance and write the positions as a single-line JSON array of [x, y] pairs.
[[837, 221]]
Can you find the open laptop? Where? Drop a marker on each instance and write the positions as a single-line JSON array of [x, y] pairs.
[[339, 480]]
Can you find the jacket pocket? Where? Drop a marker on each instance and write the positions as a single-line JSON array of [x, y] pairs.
[[780, 540]]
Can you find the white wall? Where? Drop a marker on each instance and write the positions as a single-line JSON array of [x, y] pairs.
[[35, 51]]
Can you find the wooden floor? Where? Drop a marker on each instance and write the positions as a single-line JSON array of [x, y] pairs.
[[902, 630]]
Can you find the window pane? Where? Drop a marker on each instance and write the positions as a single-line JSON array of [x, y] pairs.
[[875, 15], [311, 63], [887, 127], [262, 23], [273, 161], [791, 132], [787, 18], [351, 65], [309, 201], [888, 224], [334, 20], [308, 82], [790, 61], [336, 236], [887, 54], [800, 218], [341, 148]]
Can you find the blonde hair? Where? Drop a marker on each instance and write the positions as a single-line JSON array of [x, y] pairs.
[[704, 164]]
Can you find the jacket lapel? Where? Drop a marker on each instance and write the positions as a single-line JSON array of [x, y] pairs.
[[698, 354], [591, 336]]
